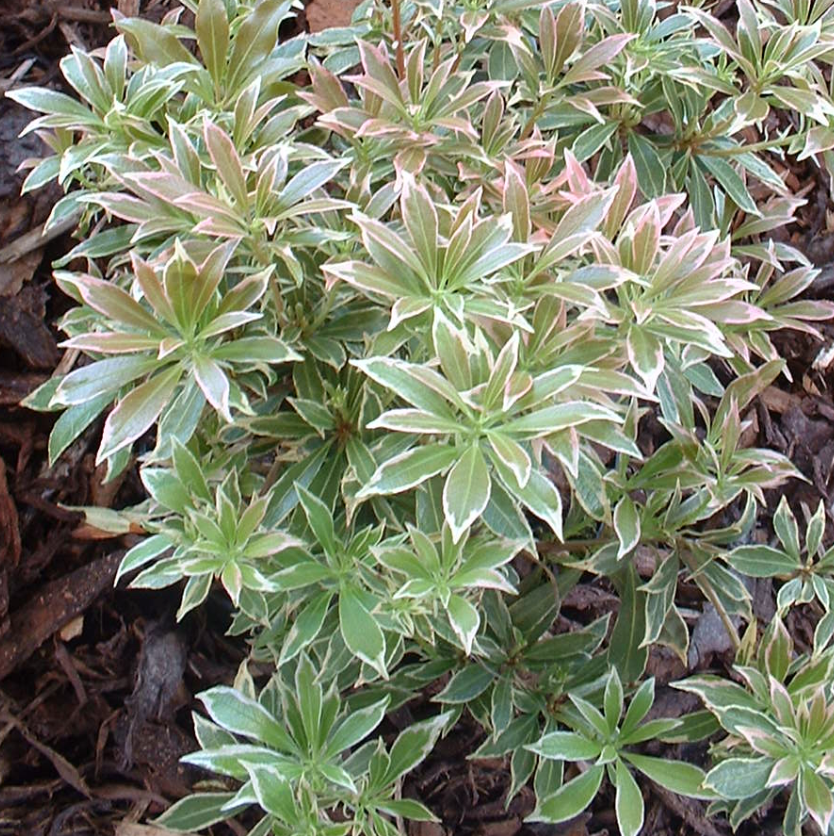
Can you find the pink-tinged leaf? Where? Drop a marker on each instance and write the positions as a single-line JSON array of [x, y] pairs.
[[517, 201], [784, 771], [575, 228], [152, 288], [817, 140], [136, 413], [250, 350], [646, 241], [409, 161], [327, 93], [210, 273], [374, 279], [209, 207], [733, 312], [379, 75], [112, 302], [225, 158], [645, 353], [159, 185], [548, 41], [599, 55], [101, 377], [214, 383], [219, 228], [228, 321], [570, 25], [112, 343], [246, 292], [180, 283], [420, 218], [391, 252], [124, 206]]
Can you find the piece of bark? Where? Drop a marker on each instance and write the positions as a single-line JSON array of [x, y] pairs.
[[54, 606], [15, 387], [26, 334]]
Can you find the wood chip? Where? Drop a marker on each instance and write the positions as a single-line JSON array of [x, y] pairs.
[[58, 603]]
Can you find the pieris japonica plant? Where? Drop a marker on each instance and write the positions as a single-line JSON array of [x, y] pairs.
[[380, 315]]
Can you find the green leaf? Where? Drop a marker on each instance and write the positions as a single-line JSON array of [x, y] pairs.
[[254, 40], [409, 469], [651, 170], [136, 413], [566, 746], [624, 650], [320, 520], [571, 798], [212, 27], [613, 700], [256, 350], [50, 101], [72, 422], [466, 492], [464, 619], [628, 802], [153, 43], [677, 776], [407, 808], [737, 778], [241, 715], [784, 523], [194, 812], [142, 553], [214, 384], [539, 495], [420, 218], [627, 526], [645, 353], [356, 727], [817, 797], [360, 631], [730, 181], [273, 791], [420, 386], [465, 685], [413, 745], [452, 347], [306, 626], [761, 561], [100, 378]]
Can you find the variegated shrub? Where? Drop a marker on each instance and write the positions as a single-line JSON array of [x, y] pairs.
[[381, 314]]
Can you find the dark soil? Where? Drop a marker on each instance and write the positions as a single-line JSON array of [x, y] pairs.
[[96, 683]]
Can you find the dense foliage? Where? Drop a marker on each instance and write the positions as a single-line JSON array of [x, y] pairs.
[[396, 302]]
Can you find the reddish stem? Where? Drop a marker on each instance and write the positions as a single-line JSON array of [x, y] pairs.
[[398, 37]]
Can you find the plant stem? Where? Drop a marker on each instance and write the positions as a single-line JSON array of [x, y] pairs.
[[706, 587], [398, 37]]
